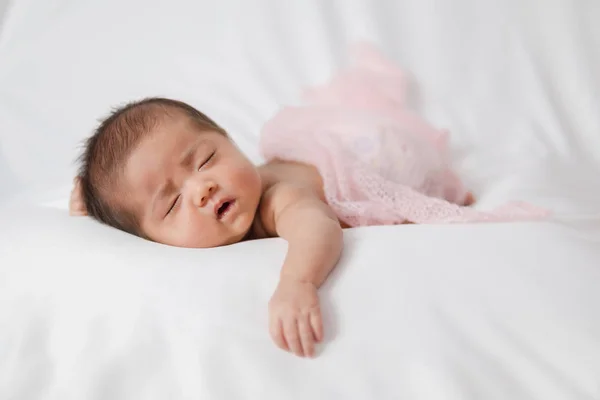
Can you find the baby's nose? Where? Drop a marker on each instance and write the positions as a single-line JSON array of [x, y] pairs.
[[202, 192]]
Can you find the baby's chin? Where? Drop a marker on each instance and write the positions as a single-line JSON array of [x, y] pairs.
[[224, 242], [193, 242], [242, 233]]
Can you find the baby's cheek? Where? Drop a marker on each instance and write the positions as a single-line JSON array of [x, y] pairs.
[[188, 230], [248, 178], [199, 232]]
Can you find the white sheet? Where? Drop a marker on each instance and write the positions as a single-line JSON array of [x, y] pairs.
[[3, 8], [423, 312]]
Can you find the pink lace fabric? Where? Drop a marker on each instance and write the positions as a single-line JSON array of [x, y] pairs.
[[380, 163]]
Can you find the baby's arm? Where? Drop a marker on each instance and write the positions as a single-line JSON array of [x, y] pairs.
[[315, 242]]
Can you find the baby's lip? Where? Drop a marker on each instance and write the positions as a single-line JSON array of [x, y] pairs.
[[223, 206]]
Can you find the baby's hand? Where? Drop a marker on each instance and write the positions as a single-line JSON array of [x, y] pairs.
[[76, 206], [295, 317]]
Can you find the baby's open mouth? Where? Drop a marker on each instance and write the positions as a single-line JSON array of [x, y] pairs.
[[224, 208]]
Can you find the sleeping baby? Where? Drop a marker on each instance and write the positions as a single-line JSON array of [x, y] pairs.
[[354, 155]]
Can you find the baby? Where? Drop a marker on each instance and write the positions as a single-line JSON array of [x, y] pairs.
[[162, 170], [354, 155]]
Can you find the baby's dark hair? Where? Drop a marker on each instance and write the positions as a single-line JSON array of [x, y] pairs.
[[106, 151]]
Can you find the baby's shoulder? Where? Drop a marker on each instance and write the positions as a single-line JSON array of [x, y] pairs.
[[285, 183], [291, 174]]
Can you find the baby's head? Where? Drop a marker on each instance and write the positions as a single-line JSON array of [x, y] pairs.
[[162, 170]]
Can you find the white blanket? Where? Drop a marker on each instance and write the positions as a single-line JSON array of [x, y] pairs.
[[447, 312], [498, 311]]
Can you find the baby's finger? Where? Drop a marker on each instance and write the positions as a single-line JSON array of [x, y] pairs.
[[276, 331], [77, 208], [306, 336], [76, 190], [292, 338], [316, 321]]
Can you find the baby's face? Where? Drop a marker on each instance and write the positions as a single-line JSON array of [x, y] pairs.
[[190, 188]]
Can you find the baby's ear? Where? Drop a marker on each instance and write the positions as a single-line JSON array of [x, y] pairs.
[[76, 204]]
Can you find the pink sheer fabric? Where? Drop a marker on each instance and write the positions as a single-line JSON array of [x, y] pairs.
[[381, 163]]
